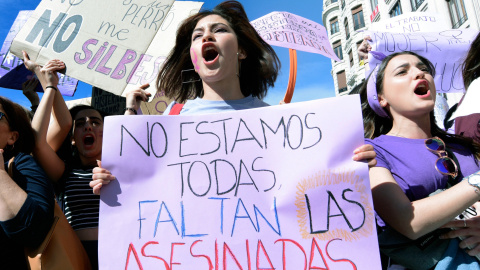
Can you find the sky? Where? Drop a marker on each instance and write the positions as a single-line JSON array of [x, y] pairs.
[[314, 80]]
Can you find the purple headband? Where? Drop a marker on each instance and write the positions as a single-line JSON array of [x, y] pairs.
[[372, 95]]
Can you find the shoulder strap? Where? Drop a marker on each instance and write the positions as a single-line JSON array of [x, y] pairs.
[[176, 108]]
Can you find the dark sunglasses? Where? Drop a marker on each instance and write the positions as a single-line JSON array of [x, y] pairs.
[[444, 164], [3, 115]]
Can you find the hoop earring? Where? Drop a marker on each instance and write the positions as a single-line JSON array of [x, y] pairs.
[[187, 77]]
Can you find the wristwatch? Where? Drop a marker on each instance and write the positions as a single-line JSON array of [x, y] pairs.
[[474, 181]]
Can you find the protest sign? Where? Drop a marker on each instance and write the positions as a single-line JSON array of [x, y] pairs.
[[445, 49], [294, 32], [411, 22], [12, 71], [107, 102], [158, 104], [266, 188], [114, 45]]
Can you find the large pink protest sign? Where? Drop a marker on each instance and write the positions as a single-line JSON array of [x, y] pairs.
[[267, 188], [288, 30], [446, 49], [12, 71]]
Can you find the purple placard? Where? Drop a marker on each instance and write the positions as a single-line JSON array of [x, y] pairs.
[[288, 30], [12, 71], [446, 50], [267, 188]]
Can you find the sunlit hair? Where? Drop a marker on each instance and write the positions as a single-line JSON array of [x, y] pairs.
[[375, 125], [258, 71], [19, 121], [471, 66]]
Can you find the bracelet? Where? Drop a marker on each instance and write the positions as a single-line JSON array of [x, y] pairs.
[[131, 109], [51, 86]]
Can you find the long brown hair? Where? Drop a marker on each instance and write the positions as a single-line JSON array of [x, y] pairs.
[[471, 66], [258, 71], [19, 121], [375, 125]]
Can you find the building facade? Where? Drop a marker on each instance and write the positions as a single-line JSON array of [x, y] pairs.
[[346, 19]]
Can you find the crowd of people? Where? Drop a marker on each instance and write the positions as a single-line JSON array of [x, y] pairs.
[[219, 63]]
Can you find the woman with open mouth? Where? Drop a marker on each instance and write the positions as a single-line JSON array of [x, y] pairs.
[[68, 153], [415, 159]]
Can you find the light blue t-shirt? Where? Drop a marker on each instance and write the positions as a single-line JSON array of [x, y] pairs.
[[202, 106]]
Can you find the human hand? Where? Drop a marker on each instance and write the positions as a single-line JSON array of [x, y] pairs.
[[28, 88], [136, 96], [468, 230], [364, 48], [48, 72], [365, 153], [100, 177], [29, 64]]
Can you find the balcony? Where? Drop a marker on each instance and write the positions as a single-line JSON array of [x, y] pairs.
[[328, 2], [460, 22], [352, 75], [416, 4]]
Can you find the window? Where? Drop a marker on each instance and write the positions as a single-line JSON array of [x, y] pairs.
[[347, 31], [374, 4], [457, 12], [350, 55], [416, 4], [342, 81], [396, 10], [337, 48], [358, 20], [343, 4], [334, 28], [334, 1]]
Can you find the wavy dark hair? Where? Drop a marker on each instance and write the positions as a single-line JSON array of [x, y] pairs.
[[375, 125], [258, 71], [19, 121], [471, 66], [67, 151]]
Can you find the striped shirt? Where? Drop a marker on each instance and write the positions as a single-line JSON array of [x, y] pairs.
[[81, 205]]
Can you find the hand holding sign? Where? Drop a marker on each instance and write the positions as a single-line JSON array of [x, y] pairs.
[[100, 178], [135, 98], [47, 74]]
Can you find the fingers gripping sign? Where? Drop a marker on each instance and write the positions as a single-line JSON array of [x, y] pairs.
[[100, 178]]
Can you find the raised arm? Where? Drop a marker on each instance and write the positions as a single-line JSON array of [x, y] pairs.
[[135, 98], [417, 218], [49, 141]]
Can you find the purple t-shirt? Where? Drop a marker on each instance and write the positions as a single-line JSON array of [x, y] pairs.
[[413, 165]]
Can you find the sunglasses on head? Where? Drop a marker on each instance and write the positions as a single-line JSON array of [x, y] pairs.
[[3, 115], [444, 164]]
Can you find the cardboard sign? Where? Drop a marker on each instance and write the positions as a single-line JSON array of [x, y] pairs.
[[158, 104], [114, 45], [266, 188], [107, 102], [292, 31], [12, 71], [411, 22], [446, 50]]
